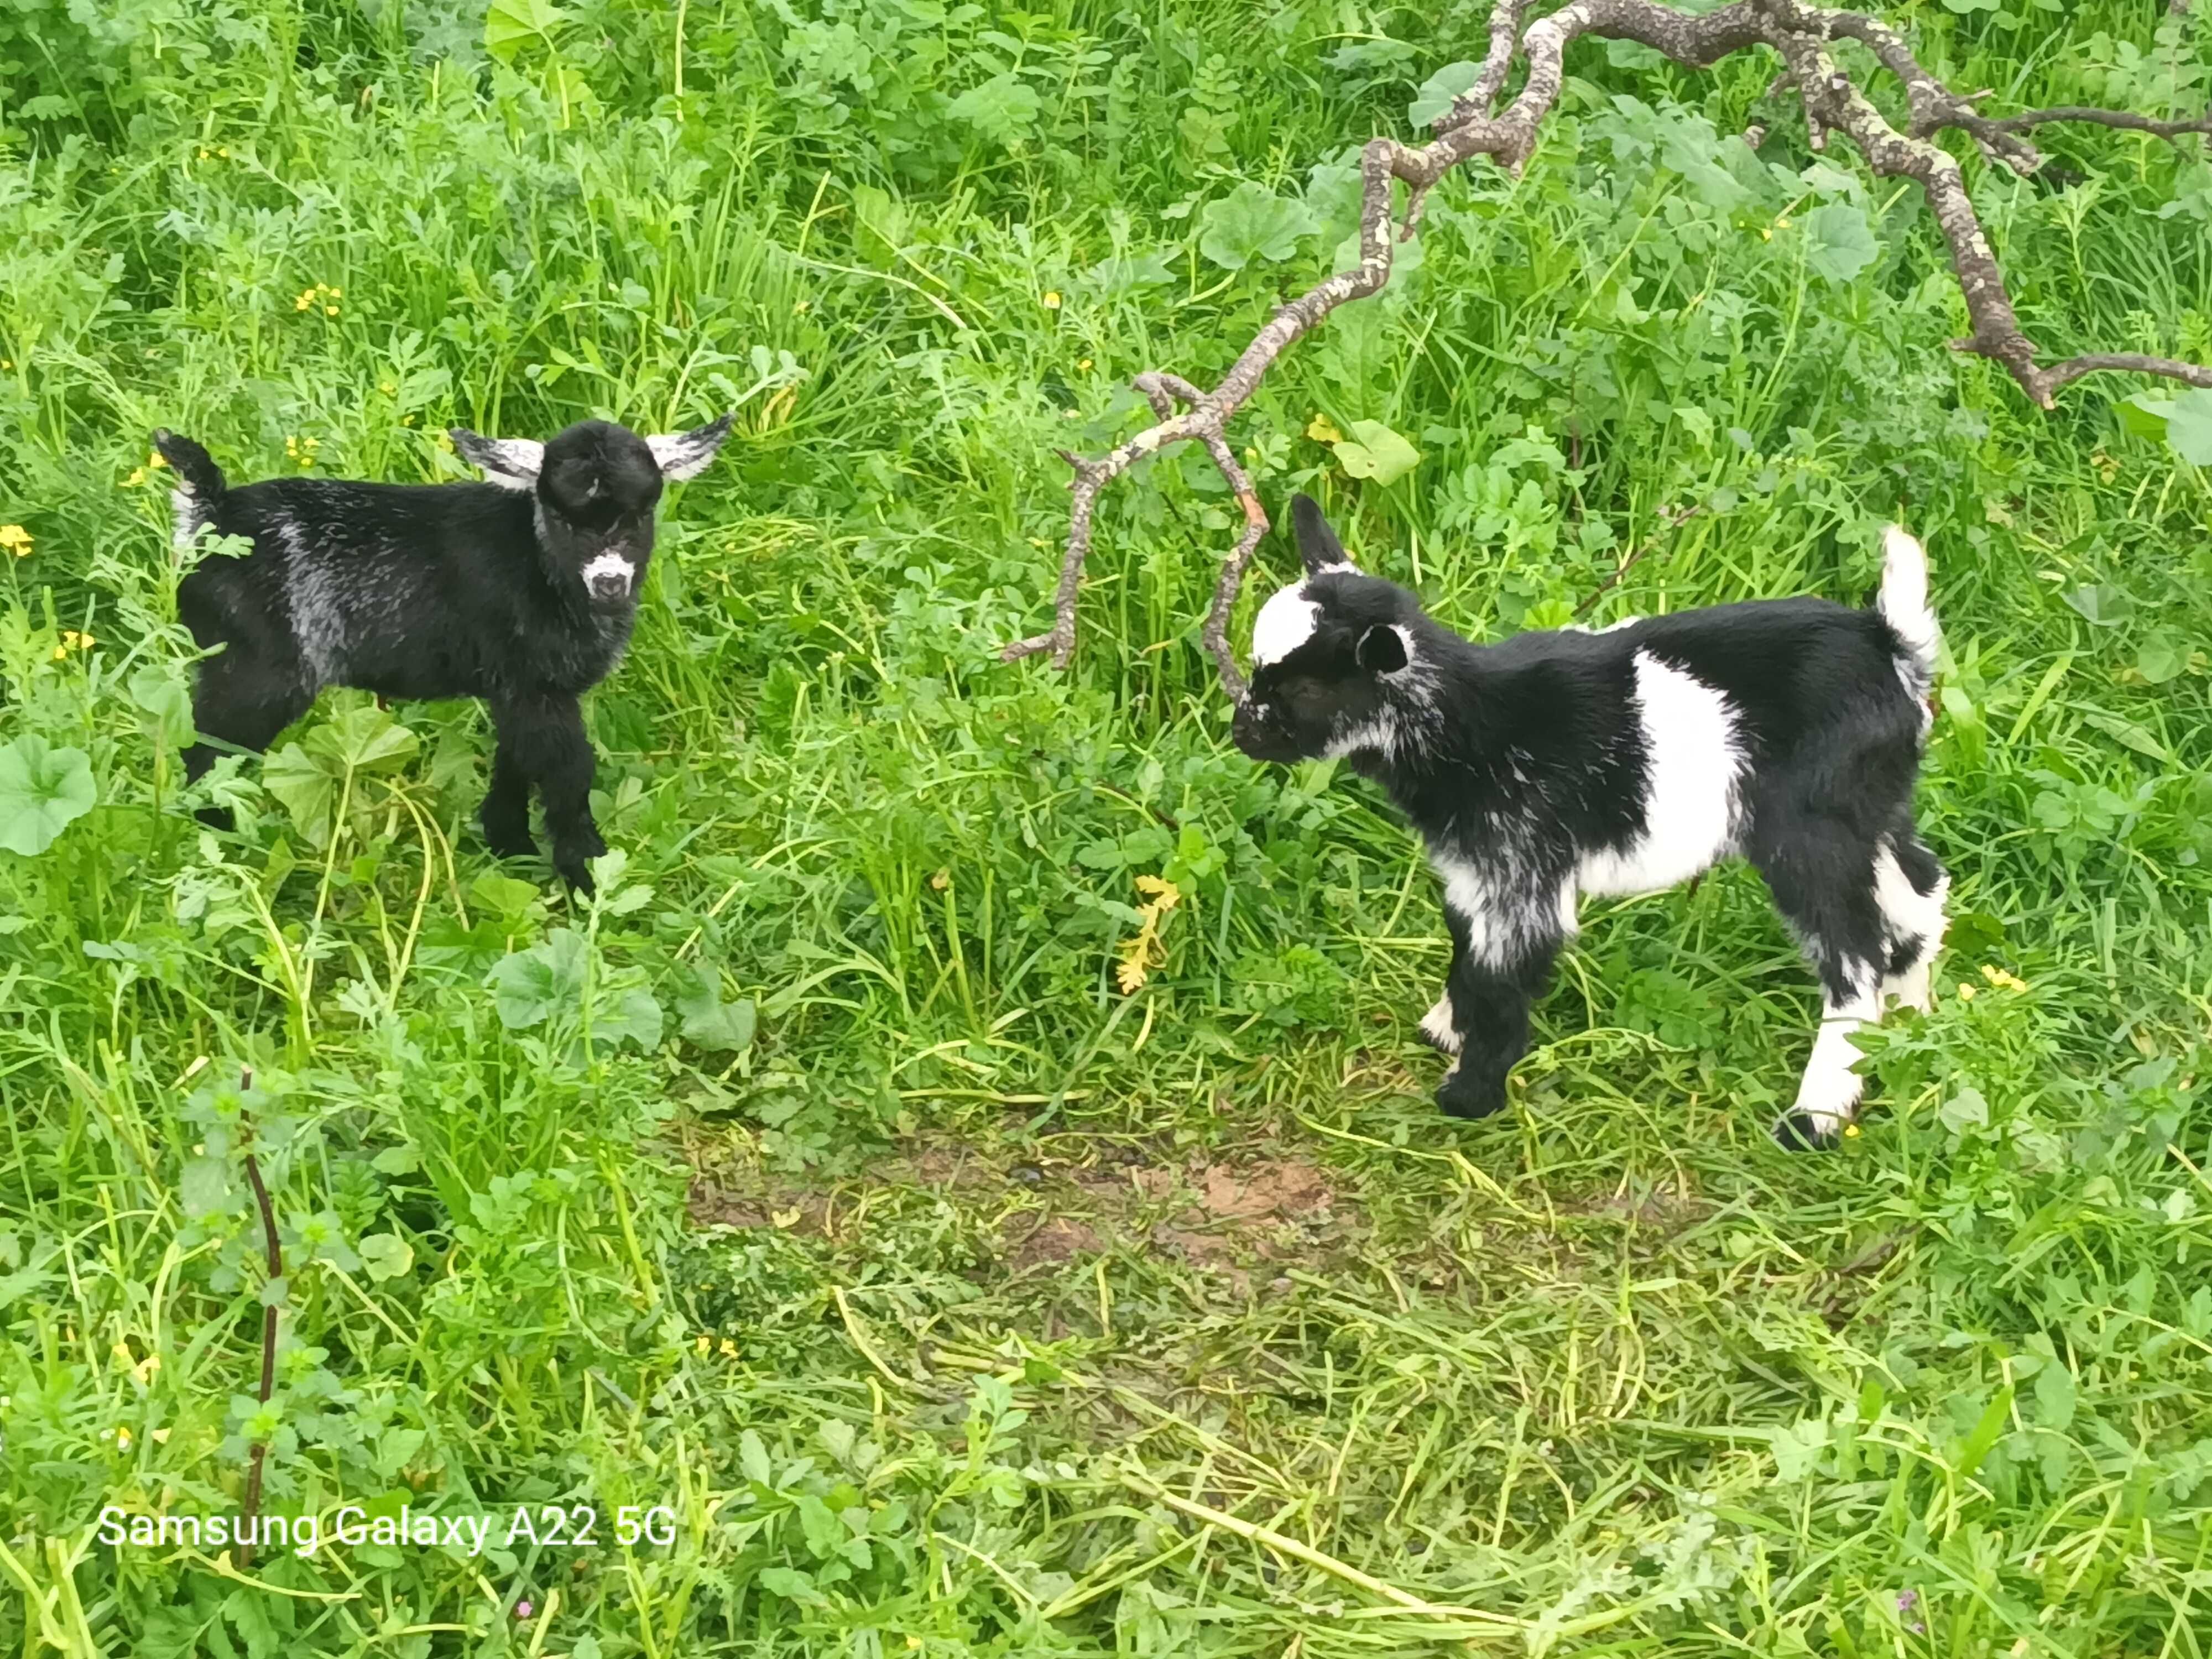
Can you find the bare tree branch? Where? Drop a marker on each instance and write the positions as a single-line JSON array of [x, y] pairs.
[[1801, 34]]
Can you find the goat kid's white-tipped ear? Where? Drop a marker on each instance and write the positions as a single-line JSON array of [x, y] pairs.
[[1317, 543], [1383, 649], [684, 454], [510, 463]]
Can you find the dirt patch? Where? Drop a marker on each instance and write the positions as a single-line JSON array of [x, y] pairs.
[[1290, 1191], [1058, 1240]]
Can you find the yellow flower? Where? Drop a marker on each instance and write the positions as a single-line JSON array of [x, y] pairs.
[[2002, 979], [135, 479], [1051, 302], [1965, 991], [1782, 223], [123, 1440], [1322, 430], [703, 1342], [154, 459], [16, 539], [73, 641], [1850, 1132], [729, 1349], [1084, 367]]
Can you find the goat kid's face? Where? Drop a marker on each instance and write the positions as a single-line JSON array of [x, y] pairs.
[[1329, 657], [597, 485]]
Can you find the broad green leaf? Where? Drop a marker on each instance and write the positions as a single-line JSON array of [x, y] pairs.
[[630, 1013], [386, 1255], [397, 1161], [793, 1585], [1374, 451], [510, 26], [362, 738], [1437, 92], [752, 1458], [2189, 426], [1252, 223], [43, 790], [160, 690], [1838, 244], [2163, 654], [205, 1186], [710, 1023], [1963, 1110], [2054, 1395], [2103, 605], [1003, 109], [303, 786], [2144, 416], [531, 986]]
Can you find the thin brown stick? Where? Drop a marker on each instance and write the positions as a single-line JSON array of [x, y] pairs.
[[1474, 126], [249, 1508]]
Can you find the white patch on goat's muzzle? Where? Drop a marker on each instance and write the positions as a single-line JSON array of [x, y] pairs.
[[608, 566], [1286, 621]]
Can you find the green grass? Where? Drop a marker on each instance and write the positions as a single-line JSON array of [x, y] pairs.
[[969, 1305]]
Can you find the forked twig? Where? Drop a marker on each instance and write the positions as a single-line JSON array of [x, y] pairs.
[[249, 1508], [1475, 125]]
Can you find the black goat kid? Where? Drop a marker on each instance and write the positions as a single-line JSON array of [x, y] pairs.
[[1785, 732], [521, 591]]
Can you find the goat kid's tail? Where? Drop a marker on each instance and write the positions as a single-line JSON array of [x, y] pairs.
[[196, 472], [1903, 604]]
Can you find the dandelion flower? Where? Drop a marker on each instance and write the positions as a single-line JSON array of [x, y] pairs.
[[16, 539]]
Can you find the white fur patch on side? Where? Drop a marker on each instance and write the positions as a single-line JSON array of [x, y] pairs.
[[611, 564], [1693, 759], [1828, 1095], [1903, 602], [1284, 623], [1436, 1025], [319, 621]]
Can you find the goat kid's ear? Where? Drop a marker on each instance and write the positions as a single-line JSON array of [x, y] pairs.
[[1383, 649], [684, 454], [1317, 543], [510, 463]]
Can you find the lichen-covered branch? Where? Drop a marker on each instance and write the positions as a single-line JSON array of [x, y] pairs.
[[1475, 124]]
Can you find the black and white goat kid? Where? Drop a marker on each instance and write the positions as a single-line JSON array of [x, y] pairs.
[[1785, 732], [520, 591]]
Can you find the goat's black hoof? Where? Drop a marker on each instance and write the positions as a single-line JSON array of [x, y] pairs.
[[579, 877], [1461, 1096], [1797, 1132]]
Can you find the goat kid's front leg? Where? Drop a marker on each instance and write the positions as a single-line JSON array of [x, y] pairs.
[[505, 814], [1489, 993], [544, 740]]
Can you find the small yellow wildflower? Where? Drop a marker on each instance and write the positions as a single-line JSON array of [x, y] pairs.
[[16, 539], [388, 388], [73, 641], [1965, 991], [135, 479], [123, 1440], [703, 1342], [729, 1349], [1051, 301], [1766, 233], [156, 460], [321, 294], [1782, 223], [1084, 367], [302, 450], [2002, 979], [160, 1437], [1850, 1132], [1322, 430]]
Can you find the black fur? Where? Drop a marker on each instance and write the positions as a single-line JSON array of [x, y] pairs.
[[1529, 769], [460, 589]]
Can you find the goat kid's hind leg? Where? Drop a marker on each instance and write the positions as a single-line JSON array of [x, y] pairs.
[[243, 704], [1829, 894], [505, 814], [1438, 1029], [1489, 994], [546, 739], [1912, 889]]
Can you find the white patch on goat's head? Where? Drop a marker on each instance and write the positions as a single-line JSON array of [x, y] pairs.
[[606, 565], [1286, 621], [510, 463], [684, 454]]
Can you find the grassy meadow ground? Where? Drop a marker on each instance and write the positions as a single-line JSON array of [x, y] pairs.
[[820, 1183]]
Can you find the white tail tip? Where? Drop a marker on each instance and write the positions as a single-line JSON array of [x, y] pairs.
[[1903, 601]]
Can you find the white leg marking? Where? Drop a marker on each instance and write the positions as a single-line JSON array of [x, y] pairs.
[[1694, 758], [1436, 1025], [1828, 1095], [1909, 917]]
